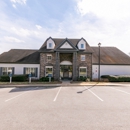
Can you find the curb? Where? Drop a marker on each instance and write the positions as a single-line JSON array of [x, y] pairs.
[[57, 85]]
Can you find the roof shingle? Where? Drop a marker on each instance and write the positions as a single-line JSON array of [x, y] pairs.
[[20, 56], [110, 55]]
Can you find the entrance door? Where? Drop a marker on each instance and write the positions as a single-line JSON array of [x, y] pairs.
[[66, 71]]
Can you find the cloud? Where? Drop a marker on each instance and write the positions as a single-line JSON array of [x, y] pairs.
[[96, 21], [38, 27], [12, 39], [108, 9], [14, 5], [21, 31], [19, 1]]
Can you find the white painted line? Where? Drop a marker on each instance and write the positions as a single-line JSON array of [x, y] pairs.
[[95, 95], [57, 94], [121, 91], [17, 96]]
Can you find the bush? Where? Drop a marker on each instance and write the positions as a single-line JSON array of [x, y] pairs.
[[105, 76], [113, 79], [116, 78], [119, 79], [4, 78], [82, 78], [46, 79], [17, 78]]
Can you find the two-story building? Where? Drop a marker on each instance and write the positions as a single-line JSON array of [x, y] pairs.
[[65, 58]]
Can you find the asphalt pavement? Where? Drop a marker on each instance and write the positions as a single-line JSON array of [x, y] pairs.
[[65, 108]]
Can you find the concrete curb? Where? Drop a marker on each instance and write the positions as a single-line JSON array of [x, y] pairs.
[[64, 85]]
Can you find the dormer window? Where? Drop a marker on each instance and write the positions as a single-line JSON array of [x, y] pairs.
[[50, 45], [82, 46]]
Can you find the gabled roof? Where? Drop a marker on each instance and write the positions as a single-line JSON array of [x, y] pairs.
[[59, 42], [110, 56], [69, 42], [20, 56]]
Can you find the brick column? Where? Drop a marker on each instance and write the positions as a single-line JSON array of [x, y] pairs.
[[74, 66], [57, 67]]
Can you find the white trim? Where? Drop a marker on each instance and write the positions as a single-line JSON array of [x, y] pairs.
[[48, 67], [83, 68], [49, 54], [52, 44], [82, 56], [66, 45], [82, 42]]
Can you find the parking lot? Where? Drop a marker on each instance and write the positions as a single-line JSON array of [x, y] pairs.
[[65, 108]]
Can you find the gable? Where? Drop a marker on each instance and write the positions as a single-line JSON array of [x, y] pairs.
[[66, 45]]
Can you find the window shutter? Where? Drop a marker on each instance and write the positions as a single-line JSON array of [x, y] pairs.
[[24, 69], [0, 71], [36, 71], [13, 71]]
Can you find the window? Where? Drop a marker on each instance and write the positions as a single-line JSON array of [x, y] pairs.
[[49, 71], [32, 71], [7, 70], [82, 46], [83, 71], [82, 57], [49, 57], [50, 45]]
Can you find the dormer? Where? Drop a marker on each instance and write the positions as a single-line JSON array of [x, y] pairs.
[[82, 44], [50, 44]]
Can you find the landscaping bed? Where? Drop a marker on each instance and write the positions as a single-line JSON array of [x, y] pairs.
[[116, 78]]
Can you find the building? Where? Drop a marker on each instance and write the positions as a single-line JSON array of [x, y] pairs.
[[65, 58]]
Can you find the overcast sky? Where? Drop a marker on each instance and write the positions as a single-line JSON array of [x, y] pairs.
[[26, 24]]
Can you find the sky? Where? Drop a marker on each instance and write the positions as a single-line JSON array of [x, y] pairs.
[[26, 24]]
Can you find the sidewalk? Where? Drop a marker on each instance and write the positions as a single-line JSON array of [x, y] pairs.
[[65, 84]]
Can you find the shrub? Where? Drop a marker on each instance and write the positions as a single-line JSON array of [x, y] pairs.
[[46, 79], [105, 76], [119, 79], [4, 78], [82, 78], [17, 78], [113, 79]]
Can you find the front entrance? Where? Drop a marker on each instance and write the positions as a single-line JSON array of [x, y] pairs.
[[66, 71]]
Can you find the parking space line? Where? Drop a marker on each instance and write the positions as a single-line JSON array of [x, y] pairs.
[[17, 96], [95, 94], [57, 94], [121, 90]]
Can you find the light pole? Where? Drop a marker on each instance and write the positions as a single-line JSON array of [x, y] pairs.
[[99, 44]]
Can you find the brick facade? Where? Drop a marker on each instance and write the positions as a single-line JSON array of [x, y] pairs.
[[75, 58], [44, 62], [87, 63]]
